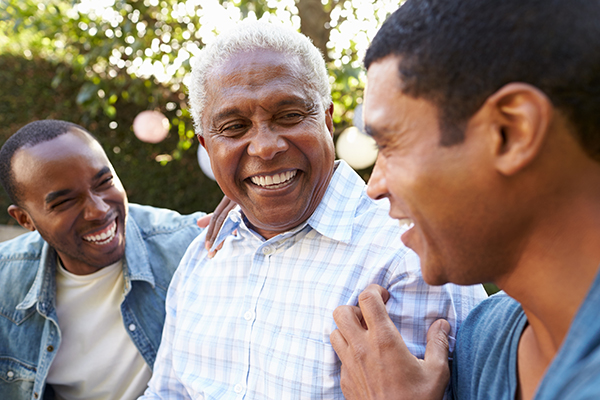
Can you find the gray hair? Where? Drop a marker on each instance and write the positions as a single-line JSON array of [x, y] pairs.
[[254, 35]]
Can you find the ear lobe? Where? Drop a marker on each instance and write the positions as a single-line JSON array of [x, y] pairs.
[[22, 217], [523, 114]]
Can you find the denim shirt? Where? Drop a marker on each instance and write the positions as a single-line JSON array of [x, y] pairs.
[[156, 239]]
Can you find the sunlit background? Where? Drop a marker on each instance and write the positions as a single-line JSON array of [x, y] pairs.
[[100, 63]]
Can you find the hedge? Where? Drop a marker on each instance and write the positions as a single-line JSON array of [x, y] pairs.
[[28, 94]]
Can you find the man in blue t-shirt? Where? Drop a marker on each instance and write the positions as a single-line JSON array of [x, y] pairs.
[[487, 116]]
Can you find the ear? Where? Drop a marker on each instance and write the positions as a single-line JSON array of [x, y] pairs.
[[521, 114], [329, 118], [22, 217], [201, 140]]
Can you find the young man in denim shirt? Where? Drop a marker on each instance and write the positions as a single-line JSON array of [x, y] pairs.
[[82, 305]]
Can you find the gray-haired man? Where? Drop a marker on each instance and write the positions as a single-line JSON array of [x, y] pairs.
[[255, 320]]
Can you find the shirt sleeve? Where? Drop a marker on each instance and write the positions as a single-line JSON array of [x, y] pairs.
[[164, 383]]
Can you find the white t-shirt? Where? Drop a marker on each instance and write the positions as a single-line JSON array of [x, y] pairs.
[[96, 358]]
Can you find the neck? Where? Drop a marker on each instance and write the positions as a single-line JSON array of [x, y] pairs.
[[557, 266]]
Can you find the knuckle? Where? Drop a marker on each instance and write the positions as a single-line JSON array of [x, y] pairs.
[[340, 313]]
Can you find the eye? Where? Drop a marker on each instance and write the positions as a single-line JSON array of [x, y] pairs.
[[106, 182], [291, 117], [61, 204], [232, 129]]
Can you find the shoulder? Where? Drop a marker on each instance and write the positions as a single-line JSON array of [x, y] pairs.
[[26, 246], [485, 354], [19, 264], [494, 313], [161, 222], [158, 237]]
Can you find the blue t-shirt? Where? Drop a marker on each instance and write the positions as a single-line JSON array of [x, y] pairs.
[[485, 358]]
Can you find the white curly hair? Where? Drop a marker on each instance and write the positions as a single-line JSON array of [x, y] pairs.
[[252, 35]]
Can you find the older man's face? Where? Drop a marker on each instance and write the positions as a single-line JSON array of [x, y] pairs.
[[269, 139]]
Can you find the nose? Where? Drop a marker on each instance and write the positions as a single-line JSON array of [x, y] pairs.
[[95, 208], [266, 143], [377, 185]]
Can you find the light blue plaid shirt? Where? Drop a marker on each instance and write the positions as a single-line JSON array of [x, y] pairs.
[[254, 322]]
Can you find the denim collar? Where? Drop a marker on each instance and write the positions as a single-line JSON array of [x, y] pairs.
[[136, 267]]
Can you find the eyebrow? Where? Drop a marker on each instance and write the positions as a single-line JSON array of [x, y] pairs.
[[103, 171], [55, 195]]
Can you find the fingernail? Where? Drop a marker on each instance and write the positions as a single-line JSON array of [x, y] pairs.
[[211, 254]]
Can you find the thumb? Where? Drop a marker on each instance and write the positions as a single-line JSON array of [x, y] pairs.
[[203, 222], [436, 352]]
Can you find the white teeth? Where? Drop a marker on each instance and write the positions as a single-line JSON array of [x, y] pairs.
[[104, 237], [274, 181], [406, 223]]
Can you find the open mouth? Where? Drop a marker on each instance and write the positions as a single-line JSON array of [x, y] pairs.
[[274, 181], [406, 223], [104, 236]]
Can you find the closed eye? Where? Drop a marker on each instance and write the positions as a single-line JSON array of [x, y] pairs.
[[61, 203]]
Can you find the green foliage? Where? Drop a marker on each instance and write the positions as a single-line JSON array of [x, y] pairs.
[[28, 94], [61, 59]]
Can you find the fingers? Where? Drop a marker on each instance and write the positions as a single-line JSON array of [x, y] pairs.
[[212, 253], [350, 324], [217, 220], [436, 352], [203, 222], [372, 304]]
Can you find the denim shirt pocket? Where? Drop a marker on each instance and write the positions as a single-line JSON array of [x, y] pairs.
[[16, 379]]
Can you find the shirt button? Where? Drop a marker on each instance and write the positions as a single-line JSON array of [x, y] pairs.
[[36, 395], [248, 315], [267, 250], [131, 327], [10, 374], [50, 348], [238, 388]]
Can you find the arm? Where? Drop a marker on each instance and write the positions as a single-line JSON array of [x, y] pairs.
[[164, 384], [376, 363]]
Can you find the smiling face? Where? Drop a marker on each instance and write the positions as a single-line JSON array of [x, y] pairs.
[[450, 193], [72, 196], [269, 139]]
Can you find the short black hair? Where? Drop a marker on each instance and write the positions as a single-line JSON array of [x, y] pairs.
[[456, 53], [28, 136]]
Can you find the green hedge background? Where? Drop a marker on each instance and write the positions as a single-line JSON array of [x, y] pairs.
[[29, 91]]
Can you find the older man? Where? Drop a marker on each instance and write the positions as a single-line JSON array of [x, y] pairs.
[[254, 322], [82, 302], [488, 115]]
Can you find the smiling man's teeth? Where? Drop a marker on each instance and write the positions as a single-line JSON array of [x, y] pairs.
[[103, 237], [273, 181], [406, 223]]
